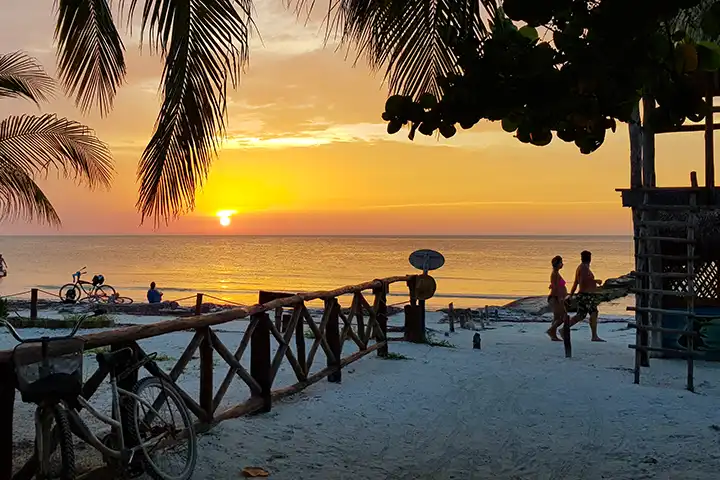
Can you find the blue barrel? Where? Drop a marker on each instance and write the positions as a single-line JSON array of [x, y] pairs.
[[709, 330]]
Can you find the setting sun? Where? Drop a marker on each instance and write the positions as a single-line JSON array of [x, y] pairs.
[[225, 217]]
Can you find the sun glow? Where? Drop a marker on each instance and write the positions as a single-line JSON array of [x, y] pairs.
[[225, 217]]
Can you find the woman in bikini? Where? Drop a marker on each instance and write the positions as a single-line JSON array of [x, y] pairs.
[[557, 297]]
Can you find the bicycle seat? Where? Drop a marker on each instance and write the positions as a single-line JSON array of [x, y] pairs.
[[116, 359]]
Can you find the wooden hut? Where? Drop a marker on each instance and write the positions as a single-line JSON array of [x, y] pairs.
[[677, 251]]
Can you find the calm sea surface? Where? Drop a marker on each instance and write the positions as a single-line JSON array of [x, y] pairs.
[[478, 270]]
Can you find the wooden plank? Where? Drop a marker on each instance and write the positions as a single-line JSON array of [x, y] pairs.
[[139, 332], [186, 356], [332, 334], [331, 305], [692, 127], [236, 366], [348, 332], [372, 317], [666, 257], [233, 371], [663, 329], [319, 333], [664, 239], [260, 367], [284, 346], [666, 208], [663, 224], [156, 371], [670, 312], [662, 274], [669, 351], [206, 370], [358, 309]]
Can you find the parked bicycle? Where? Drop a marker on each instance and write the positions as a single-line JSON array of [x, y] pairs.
[[49, 375], [95, 289]]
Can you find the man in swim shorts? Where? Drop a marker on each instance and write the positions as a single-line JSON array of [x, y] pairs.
[[587, 299]]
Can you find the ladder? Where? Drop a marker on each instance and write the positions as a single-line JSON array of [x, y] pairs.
[[650, 289]]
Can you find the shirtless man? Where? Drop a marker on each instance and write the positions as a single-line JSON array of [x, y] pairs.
[[587, 300]]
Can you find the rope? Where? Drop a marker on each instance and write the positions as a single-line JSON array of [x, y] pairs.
[[225, 300], [181, 299], [15, 294], [49, 293]]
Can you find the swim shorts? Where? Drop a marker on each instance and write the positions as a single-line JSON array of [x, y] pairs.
[[587, 303]]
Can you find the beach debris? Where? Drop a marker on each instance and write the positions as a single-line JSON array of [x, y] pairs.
[[253, 472], [476, 341]]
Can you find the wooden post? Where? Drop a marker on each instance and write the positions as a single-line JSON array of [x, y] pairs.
[[357, 300], [332, 335], [198, 304], [648, 142], [411, 289], [382, 318], [33, 303], [709, 143], [300, 344], [451, 317], [7, 405], [414, 331], [567, 342], [206, 370], [636, 140], [260, 358], [693, 179]]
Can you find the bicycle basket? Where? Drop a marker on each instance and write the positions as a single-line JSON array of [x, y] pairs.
[[54, 374]]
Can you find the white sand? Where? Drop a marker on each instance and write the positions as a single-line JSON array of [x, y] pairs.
[[517, 409]]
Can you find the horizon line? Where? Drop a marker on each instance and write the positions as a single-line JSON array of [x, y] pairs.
[[341, 235]]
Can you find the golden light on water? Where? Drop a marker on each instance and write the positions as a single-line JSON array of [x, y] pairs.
[[225, 216]]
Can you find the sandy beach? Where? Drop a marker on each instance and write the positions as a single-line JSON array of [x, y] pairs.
[[516, 409]]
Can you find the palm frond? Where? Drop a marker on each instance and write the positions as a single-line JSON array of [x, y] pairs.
[[21, 197], [21, 76], [689, 19], [411, 39], [91, 59], [36, 145], [205, 44]]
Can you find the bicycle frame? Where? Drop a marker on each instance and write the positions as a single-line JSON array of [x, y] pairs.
[[85, 434]]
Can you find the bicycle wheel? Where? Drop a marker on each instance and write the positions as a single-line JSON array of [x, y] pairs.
[[70, 293], [160, 436], [104, 291], [61, 459]]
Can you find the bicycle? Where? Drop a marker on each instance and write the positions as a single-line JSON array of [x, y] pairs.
[[49, 374], [96, 289]]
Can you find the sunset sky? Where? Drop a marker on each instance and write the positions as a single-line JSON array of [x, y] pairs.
[[307, 153]]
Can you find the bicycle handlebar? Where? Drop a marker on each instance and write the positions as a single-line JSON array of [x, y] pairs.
[[17, 336]]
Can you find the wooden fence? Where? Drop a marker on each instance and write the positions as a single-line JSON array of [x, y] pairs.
[[364, 324]]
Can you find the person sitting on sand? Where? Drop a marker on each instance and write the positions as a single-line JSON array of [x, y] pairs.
[[557, 298], [154, 295], [587, 299], [3, 267]]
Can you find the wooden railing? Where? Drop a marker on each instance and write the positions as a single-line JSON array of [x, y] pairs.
[[364, 324]]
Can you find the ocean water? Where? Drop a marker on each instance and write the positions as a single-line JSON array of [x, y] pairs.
[[478, 271]]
